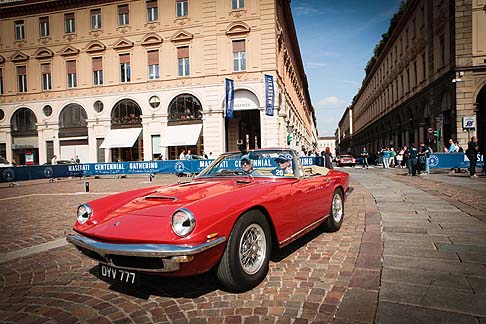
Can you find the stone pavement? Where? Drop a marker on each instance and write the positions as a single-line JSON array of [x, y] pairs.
[[410, 250], [434, 257]]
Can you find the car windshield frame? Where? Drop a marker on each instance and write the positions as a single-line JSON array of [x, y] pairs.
[[264, 165]]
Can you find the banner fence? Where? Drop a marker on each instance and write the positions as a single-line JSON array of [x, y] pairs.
[[22, 173]]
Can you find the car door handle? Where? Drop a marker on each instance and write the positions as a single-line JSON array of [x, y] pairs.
[[327, 180]]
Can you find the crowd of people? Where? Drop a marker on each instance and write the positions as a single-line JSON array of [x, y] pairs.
[[416, 159]]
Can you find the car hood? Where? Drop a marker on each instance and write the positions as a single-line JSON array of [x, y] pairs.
[[147, 216], [164, 201]]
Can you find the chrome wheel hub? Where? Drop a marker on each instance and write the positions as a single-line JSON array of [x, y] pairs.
[[337, 208], [252, 249]]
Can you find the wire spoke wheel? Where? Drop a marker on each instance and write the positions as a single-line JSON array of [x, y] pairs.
[[252, 249], [337, 208]]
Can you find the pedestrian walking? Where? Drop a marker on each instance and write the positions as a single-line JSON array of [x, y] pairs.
[[364, 156], [54, 160], [424, 156], [328, 158], [386, 157], [472, 154]]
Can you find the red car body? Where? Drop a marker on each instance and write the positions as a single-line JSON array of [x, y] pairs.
[[345, 160], [134, 230]]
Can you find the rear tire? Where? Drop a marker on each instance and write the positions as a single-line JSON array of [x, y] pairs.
[[336, 214], [244, 263]]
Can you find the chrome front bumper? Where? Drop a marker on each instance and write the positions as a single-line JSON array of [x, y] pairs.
[[161, 257]]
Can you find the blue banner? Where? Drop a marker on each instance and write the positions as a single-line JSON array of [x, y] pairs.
[[230, 97], [269, 95], [451, 160], [20, 173]]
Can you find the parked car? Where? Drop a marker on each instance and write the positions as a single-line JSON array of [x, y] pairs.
[[229, 218], [345, 159], [4, 163], [60, 162]]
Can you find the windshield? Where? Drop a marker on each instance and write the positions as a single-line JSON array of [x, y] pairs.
[[256, 163]]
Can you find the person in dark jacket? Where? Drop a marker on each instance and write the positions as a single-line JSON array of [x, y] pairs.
[[328, 158], [472, 154]]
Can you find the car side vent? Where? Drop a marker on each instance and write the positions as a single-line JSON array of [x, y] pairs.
[[161, 198]]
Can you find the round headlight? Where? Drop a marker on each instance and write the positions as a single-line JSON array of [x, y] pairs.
[[84, 212], [183, 222]]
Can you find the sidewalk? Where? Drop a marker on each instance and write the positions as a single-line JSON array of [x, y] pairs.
[[434, 256]]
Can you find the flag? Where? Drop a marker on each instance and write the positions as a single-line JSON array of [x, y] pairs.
[[269, 95], [230, 98]]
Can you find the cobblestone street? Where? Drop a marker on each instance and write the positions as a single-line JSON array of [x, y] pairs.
[[410, 249]]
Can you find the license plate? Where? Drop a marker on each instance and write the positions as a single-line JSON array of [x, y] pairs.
[[118, 275]]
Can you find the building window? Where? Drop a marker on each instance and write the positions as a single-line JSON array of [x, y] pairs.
[[46, 77], [442, 49], [49, 150], [23, 120], [47, 110], [100, 151], [182, 8], [183, 60], [44, 26], [125, 68], [69, 26], [237, 4], [424, 70], [185, 107], [1, 81], [19, 30], [97, 64], [126, 112], [406, 38], [408, 79], [73, 116], [22, 79], [71, 74], [153, 65], [96, 19], [414, 28], [123, 15], [152, 10], [239, 56], [3, 149], [98, 106], [415, 73]]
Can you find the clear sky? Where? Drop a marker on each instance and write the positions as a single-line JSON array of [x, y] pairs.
[[336, 39]]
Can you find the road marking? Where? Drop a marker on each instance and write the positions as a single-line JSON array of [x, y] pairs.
[[33, 250], [60, 194]]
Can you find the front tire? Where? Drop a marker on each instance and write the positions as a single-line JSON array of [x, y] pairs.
[[336, 214], [244, 263]]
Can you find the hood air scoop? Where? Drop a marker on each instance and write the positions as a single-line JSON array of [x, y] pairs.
[[154, 197]]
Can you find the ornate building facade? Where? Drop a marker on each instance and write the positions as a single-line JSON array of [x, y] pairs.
[[429, 76], [132, 80]]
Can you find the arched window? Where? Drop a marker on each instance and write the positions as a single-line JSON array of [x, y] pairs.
[[23, 120], [185, 107], [126, 113], [73, 116]]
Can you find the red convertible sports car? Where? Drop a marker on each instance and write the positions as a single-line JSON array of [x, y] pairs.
[[345, 160], [229, 218]]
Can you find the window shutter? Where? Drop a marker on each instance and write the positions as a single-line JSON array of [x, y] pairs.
[[45, 68], [21, 70], [124, 58], [97, 64], [123, 9], [71, 67], [153, 57], [238, 46], [182, 52], [152, 4]]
